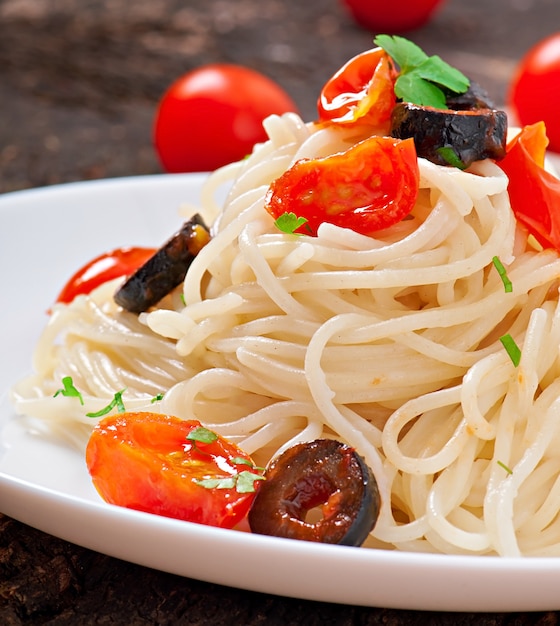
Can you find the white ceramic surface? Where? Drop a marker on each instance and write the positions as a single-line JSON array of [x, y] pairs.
[[45, 235]]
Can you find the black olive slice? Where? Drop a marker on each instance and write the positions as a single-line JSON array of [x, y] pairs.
[[476, 97], [323, 474], [447, 136], [162, 272]]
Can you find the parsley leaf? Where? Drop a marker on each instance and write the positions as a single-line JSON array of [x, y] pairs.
[[68, 390], [289, 222], [450, 156], [246, 481], [217, 483], [512, 349], [202, 435], [508, 287], [115, 402], [422, 79], [505, 467]]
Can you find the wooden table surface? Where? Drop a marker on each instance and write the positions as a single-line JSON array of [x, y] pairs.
[[79, 82]]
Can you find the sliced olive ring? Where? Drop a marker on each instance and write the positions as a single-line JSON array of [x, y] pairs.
[[322, 475], [166, 269], [450, 137]]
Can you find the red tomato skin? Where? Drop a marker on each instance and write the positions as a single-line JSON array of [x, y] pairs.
[[143, 461], [534, 92], [362, 91], [213, 116], [105, 267], [371, 186], [385, 17], [534, 193]]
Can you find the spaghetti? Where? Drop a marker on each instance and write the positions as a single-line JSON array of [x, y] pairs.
[[388, 343]]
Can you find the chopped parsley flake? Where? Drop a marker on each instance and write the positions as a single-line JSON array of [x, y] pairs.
[[116, 402], [512, 349], [504, 466], [68, 390], [244, 482], [202, 435], [503, 274], [450, 157], [289, 222]]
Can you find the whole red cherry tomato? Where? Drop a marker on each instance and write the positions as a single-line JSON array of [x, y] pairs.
[[167, 466], [385, 17], [371, 186], [534, 193], [361, 92], [213, 116], [105, 267], [535, 89]]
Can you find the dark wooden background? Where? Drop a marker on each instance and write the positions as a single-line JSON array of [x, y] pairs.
[[79, 82]]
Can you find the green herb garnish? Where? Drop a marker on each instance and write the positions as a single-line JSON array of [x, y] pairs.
[[289, 223], [244, 482], [115, 402], [68, 390], [512, 349], [157, 398], [202, 435], [504, 466], [503, 274], [422, 78], [450, 157]]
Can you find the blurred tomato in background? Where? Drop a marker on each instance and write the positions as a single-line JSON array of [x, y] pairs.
[[213, 115], [383, 16], [534, 93]]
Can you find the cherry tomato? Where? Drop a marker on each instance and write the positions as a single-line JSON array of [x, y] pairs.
[[167, 466], [384, 17], [535, 89], [371, 186], [213, 116], [119, 262], [534, 193], [362, 91]]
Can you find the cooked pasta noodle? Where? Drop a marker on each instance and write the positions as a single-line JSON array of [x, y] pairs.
[[389, 343]]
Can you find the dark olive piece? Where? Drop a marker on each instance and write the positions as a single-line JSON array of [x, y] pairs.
[[445, 136], [322, 475], [476, 97], [165, 269]]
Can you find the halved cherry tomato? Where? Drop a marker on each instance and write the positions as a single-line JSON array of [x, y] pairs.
[[371, 186], [534, 193], [105, 267], [362, 91], [161, 464]]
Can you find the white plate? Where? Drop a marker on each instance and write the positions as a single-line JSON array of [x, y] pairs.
[[45, 235]]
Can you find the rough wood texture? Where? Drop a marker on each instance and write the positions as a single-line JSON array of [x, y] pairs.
[[79, 82]]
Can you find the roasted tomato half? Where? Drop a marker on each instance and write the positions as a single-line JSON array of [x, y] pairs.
[[371, 186], [171, 467], [361, 92]]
